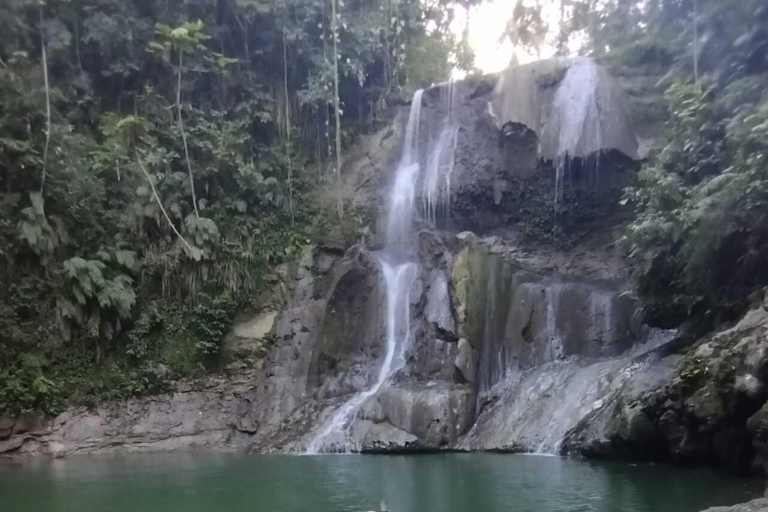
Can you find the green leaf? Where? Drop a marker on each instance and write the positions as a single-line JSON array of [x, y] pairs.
[[126, 259]]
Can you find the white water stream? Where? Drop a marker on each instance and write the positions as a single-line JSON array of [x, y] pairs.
[[436, 191], [399, 274], [332, 437], [404, 188]]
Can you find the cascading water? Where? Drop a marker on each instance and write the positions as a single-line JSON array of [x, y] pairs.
[[399, 274], [577, 111], [562, 352], [332, 436], [404, 188], [561, 166], [437, 175], [536, 404]]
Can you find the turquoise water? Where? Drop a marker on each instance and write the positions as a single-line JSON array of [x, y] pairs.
[[210, 482]]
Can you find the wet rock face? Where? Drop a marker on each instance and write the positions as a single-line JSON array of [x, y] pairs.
[[572, 104], [514, 128], [351, 333], [466, 362], [216, 417], [621, 427], [550, 320], [486, 160], [707, 408], [759, 505], [436, 414], [501, 355], [481, 321], [517, 319], [366, 171], [428, 399]]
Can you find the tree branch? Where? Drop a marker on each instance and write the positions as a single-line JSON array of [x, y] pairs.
[[192, 251], [696, 40], [184, 139], [335, 32], [288, 128], [47, 103]]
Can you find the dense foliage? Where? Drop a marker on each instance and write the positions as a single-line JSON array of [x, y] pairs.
[[699, 242], [157, 158], [700, 237]]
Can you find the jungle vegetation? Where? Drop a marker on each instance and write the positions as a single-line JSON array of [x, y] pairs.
[[159, 158]]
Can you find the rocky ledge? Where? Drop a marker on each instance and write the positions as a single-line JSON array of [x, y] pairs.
[[710, 409], [212, 416], [700, 404], [759, 505]]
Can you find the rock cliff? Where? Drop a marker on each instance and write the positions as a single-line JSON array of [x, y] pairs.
[[709, 407], [510, 346]]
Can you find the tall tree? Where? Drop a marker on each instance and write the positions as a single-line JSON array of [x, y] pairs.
[[336, 107]]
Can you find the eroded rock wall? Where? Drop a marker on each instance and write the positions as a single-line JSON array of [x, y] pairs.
[[572, 103], [479, 317], [512, 345], [706, 407], [517, 316]]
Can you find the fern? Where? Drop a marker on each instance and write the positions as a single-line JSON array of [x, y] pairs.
[[86, 277], [34, 229]]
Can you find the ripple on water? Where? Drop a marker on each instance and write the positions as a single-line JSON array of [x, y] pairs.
[[210, 482]]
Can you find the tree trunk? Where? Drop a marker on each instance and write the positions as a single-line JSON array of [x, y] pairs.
[[335, 30], [47, 104], [696, 40], [193, 253], [184, 139], [288, 129]]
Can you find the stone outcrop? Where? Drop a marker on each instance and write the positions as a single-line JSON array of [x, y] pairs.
[[758, 505], [435, 415], [571, 103], [516, 127], [553, 344], [428, 404], [517, 318], [366, 168], [217, 416], [705, 407]]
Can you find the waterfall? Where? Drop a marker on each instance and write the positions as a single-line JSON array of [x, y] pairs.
[[411, 144], [561, 165], [398, 281], [436, 189], [577, 116], [555, 347], [404, 188], [399, 274], [574, 101]]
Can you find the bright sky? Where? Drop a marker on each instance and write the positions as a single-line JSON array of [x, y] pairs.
[[487, 22]]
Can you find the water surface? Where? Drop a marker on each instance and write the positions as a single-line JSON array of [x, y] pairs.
[[210, 482]]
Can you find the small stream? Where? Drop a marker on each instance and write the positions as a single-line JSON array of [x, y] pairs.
[[211, 482]]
